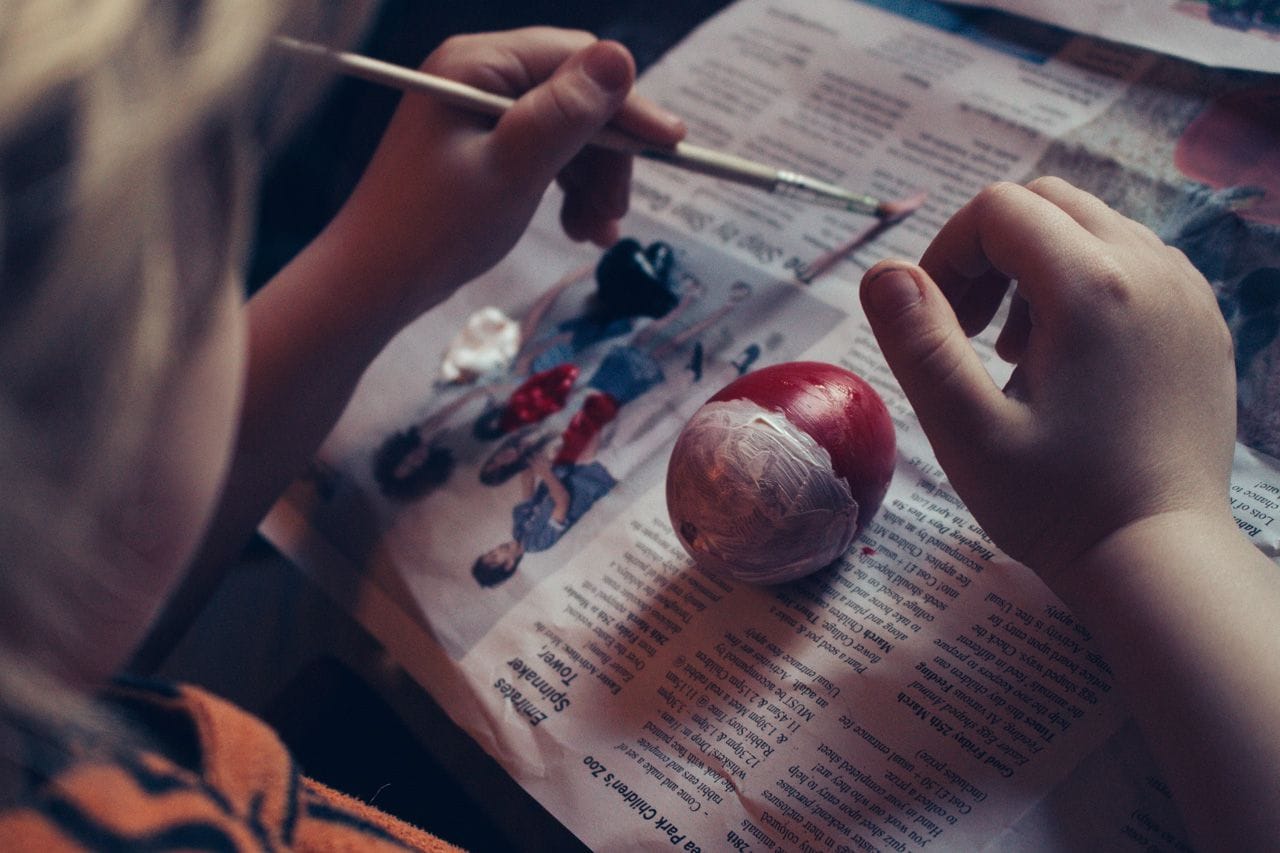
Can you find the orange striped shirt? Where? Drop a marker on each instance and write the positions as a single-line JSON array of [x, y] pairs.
[[212, 777]]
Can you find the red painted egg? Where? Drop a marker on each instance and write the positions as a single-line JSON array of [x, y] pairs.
[[777, 473]]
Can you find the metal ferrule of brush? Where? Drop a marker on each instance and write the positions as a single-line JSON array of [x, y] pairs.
[[803, 188]]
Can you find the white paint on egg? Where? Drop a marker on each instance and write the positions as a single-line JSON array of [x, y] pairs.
[[754, 497]]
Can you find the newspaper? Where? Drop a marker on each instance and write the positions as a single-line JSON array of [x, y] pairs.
[[1212, 32], [924, 691]]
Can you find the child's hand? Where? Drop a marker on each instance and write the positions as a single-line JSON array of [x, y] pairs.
[[448, 193], [1122, 404]]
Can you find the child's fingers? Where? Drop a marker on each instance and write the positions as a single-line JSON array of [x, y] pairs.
[[941, 374], [550, 124], [582, 220], [597, 187], [1009, 232], [646, 120], [508, 63], [978, 301], [1093, 214], [1016, 332]]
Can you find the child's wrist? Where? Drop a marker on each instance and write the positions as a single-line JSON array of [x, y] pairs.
[[374, 285], [1140, 561]]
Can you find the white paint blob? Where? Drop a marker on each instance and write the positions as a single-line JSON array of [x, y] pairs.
[[487, 342]]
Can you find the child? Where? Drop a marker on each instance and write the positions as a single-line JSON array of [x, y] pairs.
[[1103, 465], [143, 409]]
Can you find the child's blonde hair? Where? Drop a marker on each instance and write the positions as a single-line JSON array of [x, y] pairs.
[[128, 161]]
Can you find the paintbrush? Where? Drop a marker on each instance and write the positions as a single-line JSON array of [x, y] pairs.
[[862, 237], [683, 155]]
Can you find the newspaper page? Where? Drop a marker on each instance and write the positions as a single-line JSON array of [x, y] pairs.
[[1221, 33], [923, 691]]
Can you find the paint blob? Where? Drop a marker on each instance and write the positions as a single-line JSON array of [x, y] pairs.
[[486, 343], [774, 476], [635, 281]]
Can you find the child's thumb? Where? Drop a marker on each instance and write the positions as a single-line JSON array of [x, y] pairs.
[[551, 123], [938, 369]]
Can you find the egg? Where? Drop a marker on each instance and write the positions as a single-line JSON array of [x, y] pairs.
[[778, 472]]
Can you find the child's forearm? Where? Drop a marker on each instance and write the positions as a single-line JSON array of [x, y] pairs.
[[308, 345], [1185, 609], [313, 330], [442, 200]]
